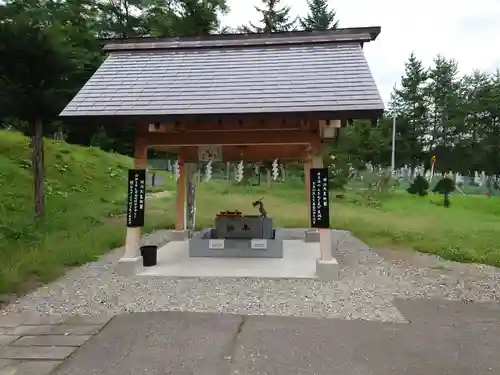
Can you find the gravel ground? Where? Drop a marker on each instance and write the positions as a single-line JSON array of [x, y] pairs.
[[368, 283]]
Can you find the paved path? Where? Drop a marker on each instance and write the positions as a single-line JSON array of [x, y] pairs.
[[36, 345], [440, 338]]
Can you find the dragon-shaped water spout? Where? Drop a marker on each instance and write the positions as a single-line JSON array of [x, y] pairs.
[[262, 210]]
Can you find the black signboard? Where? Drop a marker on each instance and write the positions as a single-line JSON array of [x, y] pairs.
[[318, 193], [136, 197]]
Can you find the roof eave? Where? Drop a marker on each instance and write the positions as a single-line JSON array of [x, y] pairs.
[[369, 114]]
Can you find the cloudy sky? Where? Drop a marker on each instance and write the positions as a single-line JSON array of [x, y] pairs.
[[468, 31]]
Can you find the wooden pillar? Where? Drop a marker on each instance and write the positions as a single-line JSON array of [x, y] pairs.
[[317, 161], [181, 197], [133, 236], [190, 206], [307, 179]]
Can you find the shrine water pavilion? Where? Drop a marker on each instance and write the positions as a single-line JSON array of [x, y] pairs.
[[242, 96]]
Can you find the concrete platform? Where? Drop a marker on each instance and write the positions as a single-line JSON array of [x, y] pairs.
[[298, 262], [201, 246]]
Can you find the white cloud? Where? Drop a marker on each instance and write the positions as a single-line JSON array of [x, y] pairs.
[[466, 31]]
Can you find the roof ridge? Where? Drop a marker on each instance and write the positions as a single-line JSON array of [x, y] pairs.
[[358, 35]]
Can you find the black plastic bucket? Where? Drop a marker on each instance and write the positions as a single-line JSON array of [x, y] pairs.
[[149, 255]]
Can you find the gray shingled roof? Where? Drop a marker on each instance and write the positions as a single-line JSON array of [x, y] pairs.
[[310, 77]]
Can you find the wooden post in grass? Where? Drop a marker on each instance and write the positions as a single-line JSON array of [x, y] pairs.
[[38, 169]]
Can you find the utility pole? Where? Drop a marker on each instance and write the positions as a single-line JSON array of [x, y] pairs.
[[393, 153]]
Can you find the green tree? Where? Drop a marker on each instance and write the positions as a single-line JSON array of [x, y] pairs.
[[445, 186], [476, 102], [408, 104], [273, 18], [362, 143], [39, 12], [183, 17], [73, 21], [488, 147], [444, 107], [320, 17], [339, 169], [120, 18], [36, 81]]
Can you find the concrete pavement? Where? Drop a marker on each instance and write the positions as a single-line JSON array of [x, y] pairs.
[[440, 337], [36, 345]]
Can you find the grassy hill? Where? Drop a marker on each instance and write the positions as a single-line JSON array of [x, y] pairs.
[[85, 202]]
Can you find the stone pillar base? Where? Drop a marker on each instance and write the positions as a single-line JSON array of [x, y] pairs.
[[179, 235], [327, 270], [311, 236], [129, 266]]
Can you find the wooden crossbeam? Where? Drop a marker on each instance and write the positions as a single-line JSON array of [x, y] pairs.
[[250, 153], [231, 138], [234, 124]]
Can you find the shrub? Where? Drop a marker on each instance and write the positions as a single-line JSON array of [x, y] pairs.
[[378, 187], [339, 171], [419, 186]]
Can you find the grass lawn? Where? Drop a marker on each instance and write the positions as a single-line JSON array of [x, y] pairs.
[[468, 231]]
